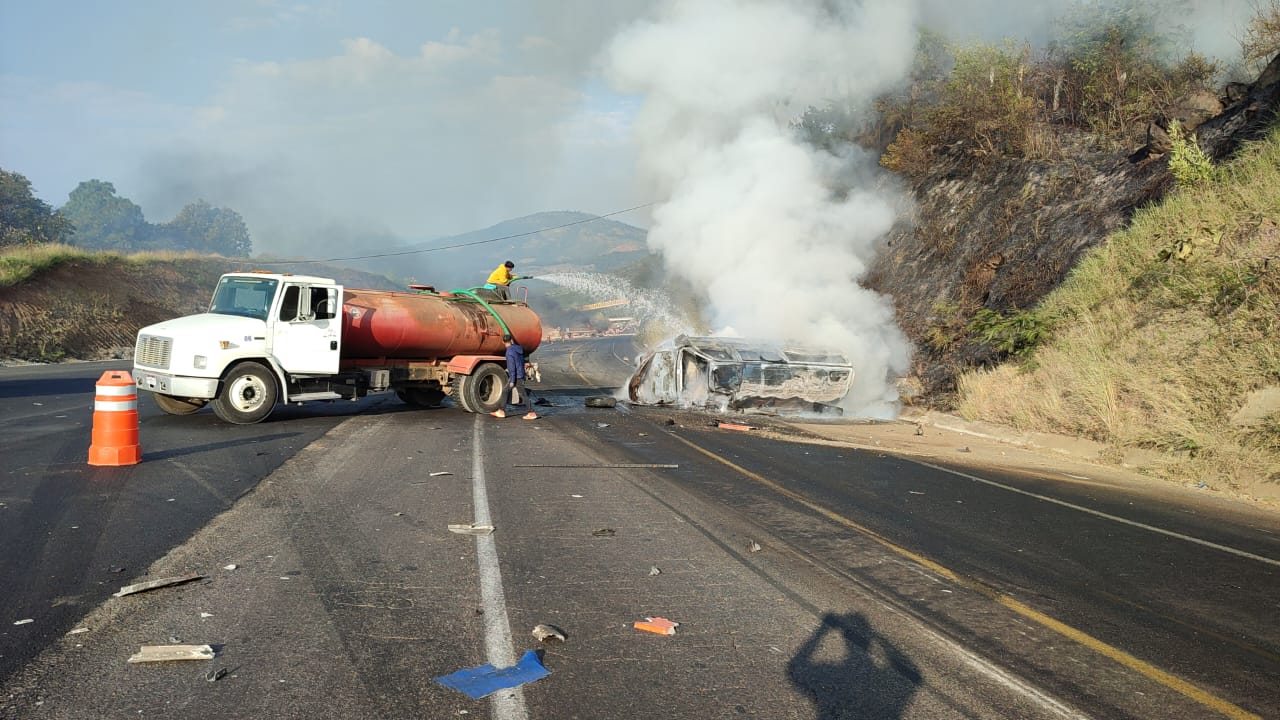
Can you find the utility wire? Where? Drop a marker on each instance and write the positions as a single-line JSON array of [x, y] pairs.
[[447, 247]]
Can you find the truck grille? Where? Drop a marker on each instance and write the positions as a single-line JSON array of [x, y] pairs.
[[153, 351]]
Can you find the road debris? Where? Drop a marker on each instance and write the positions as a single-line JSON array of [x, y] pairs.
[[438, 474], [914, 492], [919, 428], [602, 425], [471, 529], [215, 675], [152, 585], [600, 401], [575, 496], [485, 680], [604, 532], [544, 632], [754, 547], [657, 625], [206, 615], [654, 571], [77, 631], [603, 466], [965, 449], [735, 426], [166, 653], [26, 621], [232, 566], [116, 569]]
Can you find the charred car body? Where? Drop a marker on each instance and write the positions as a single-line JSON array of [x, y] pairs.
[[742, 375]]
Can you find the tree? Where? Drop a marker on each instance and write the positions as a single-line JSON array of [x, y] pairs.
[[206, 229], [104, 221], [24, 218]]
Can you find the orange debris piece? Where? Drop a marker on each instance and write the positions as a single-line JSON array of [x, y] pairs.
[[731, 426], [659, 625]]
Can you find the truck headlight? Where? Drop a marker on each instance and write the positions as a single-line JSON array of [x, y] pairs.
[[200, 362]]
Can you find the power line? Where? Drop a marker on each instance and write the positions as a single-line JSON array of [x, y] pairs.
[[448, 247]]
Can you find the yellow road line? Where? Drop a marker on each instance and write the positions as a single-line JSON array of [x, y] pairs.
[[574, 367], [1146, 669]]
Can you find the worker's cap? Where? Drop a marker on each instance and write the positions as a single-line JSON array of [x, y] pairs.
[[509, 264]]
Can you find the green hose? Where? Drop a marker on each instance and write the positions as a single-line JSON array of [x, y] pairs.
[[505, 330]]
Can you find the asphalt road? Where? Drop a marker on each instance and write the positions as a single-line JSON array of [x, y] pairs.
[[810, 580]]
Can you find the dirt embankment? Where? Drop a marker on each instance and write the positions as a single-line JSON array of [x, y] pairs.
[[92, 308]]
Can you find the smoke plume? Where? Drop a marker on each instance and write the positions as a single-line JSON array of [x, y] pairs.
[[770, 228]]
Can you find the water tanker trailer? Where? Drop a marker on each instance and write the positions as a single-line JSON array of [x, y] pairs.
[[270, 338]]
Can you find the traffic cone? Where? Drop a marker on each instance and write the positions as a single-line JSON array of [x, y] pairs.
[[115, 421]]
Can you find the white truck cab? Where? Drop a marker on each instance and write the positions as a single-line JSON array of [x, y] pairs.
[[261, 332]]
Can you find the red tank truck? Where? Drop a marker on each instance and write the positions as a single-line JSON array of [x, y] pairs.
[[271, 338]]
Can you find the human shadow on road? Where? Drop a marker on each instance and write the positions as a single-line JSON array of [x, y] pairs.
[[867, 679]]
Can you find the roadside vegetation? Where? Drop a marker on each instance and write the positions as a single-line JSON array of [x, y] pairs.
[[1166, 337]]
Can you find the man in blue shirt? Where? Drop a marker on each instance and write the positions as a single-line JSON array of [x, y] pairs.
[[515, 379]]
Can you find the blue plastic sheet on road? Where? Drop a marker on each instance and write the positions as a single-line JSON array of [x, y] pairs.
[[485, 680]]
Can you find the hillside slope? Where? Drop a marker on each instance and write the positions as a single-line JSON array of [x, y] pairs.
[[88, 306]]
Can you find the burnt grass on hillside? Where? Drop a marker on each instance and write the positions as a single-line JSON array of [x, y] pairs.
[[998, 233]]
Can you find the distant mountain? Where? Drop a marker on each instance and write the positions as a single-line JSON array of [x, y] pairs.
[[587, 244]]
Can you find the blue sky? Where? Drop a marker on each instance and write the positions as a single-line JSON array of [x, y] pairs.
[[317, 118]]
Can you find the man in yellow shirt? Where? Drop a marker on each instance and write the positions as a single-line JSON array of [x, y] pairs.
[[500, 280]]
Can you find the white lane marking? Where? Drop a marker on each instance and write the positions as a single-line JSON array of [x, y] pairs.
[[1107, 516], [507, 704]]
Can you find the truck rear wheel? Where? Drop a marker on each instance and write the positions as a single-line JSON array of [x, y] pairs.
[[178, 406], [248, 394], [481, 391]]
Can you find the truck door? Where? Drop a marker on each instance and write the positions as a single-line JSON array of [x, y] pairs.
[[305, 335]]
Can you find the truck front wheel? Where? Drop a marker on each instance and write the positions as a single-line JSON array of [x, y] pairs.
[[481, 391], [178, 406], [247, 396]]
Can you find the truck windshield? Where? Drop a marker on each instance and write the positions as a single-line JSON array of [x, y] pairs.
[[246, 296]]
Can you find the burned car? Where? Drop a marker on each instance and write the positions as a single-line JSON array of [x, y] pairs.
[[740, 374]]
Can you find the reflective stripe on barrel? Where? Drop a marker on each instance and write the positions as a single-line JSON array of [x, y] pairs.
[[115, 421]]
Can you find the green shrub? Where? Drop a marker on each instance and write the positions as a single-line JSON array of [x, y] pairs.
[[1190, 166], [1016, 334]]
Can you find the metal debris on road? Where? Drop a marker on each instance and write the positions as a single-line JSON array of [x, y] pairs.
[[206, 615], [215, 675], [602, 466], [166, 653], [77, 631], [754, 547], [544, 632], [600, 401], [657, 625], [232, 566], [27, 621], [152, 585], [604, 532], [654, 571], [602, 425], [438, 474], [485, 680], [471, 529]]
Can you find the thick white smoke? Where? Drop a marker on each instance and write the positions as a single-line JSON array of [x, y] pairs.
[[762, 222]]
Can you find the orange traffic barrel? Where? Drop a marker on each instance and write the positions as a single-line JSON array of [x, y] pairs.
[[115, 421]]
